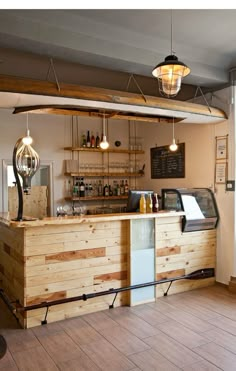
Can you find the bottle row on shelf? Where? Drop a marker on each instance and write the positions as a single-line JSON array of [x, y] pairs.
[[149, 203], [93, 141], [90, 141], [97, 189]]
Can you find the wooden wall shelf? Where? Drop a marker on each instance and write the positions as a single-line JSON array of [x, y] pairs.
[[109, 150], [96, 198], [102, 175]]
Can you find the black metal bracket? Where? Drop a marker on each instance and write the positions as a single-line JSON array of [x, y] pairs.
[[44, 322], [113, 302], [9, 303], [166, 293]]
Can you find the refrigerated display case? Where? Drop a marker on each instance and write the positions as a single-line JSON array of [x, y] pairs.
[[198, 204]]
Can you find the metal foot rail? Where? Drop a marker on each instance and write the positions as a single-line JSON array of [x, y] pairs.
[[202, 273], [199, 274]]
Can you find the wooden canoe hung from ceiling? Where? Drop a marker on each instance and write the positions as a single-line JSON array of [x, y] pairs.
[[36, 96]]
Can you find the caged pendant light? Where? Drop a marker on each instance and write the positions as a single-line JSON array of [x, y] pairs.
[[25, 163], [170, 73]]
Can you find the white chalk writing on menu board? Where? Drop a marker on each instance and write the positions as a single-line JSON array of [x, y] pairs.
[[168, 164]]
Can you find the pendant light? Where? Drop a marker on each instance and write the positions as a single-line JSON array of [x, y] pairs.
[[170, 73], [104, 143], [25, 163], [173, 147]]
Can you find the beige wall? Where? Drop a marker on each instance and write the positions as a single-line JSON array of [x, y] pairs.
[[199, 154]]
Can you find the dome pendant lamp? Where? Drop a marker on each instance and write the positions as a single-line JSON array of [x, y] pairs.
[[170, 73]]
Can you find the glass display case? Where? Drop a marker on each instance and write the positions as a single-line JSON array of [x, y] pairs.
[[198, 204]]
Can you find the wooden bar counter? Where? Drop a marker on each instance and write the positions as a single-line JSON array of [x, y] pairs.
[[56, 258]]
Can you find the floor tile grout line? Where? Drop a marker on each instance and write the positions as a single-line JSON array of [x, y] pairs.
[[208, 359], [166, 314], [47, 351], [83, 350], [13, 360], [183, 345]]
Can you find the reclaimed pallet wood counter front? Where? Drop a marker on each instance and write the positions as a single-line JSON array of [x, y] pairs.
[[56, 258]]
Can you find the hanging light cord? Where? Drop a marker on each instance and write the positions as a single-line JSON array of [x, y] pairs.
[[173, 128], [103, 129], [27, 125]]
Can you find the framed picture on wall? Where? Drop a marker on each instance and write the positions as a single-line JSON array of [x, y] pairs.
[[220, 173], [221, 148]]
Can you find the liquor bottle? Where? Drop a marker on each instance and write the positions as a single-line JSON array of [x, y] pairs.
[[90, 190], [86, 189], [69, 188], [97, 141], [88, 141], [126, 188], [122, 188], [118, 190], [149, 203], [83, 140], [92, 140], [95, 189], [155, 203], [142, 204], [100, 190], [82, 188], [106, 191], [114, 188], [110, 191], [75, 190]]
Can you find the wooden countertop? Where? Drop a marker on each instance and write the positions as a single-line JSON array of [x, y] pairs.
[[5, 218]]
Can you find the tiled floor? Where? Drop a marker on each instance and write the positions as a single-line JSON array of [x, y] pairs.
[[189, 331]]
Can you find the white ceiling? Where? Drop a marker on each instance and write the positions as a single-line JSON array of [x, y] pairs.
[[133, 41]]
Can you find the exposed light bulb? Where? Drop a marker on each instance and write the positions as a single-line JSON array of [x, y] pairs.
[[27, 140], [173, 147], [104, 143]]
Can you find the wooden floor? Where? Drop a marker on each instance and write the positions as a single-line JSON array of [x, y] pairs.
[[189, 331]]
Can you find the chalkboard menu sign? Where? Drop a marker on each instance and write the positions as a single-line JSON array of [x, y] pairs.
[[168, 164]]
